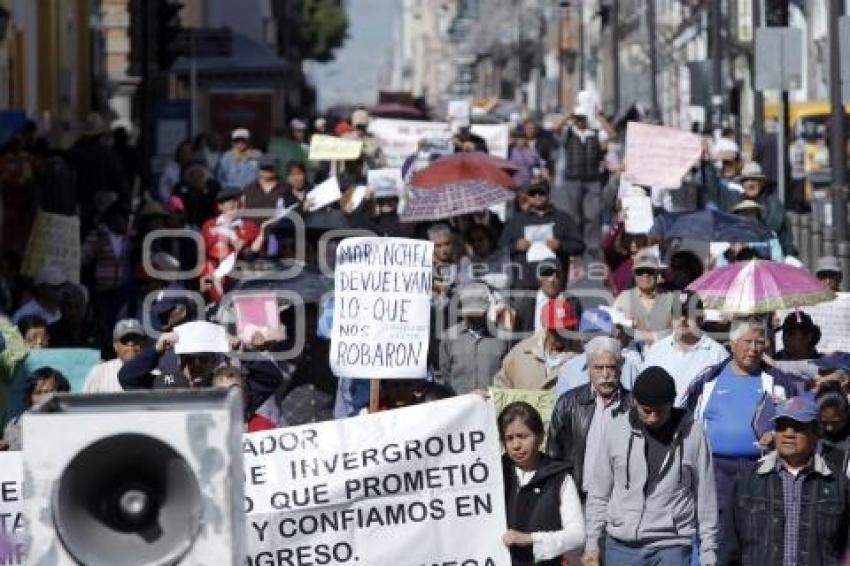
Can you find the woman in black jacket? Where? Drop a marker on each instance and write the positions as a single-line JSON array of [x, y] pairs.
[[544, 513]]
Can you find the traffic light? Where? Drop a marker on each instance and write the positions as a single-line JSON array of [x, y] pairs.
[[169, 33]]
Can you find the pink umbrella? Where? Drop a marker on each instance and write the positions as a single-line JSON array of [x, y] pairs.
[[759, 286]]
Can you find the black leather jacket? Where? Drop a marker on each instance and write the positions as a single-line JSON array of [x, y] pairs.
[[570, 424]]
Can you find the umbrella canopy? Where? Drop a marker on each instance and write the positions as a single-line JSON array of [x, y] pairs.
[[464, 167], [759, 286], [454, 199], [709, 225]]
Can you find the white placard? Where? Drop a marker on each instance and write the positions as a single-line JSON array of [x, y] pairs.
[[11, 509], [459, 112], [497, 136], [413, 486], [638, 211], [382, 308], [658, 156], [385, 182], [399, 139], [332, 148], [325, 193], [538, 235]]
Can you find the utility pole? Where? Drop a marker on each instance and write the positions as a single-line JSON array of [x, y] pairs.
[[615, 53], [653, 59], [715, 27], [758, 97], [837, 126]]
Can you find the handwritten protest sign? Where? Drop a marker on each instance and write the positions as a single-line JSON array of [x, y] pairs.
[[331, 148], [833, 318], [399, 139], [657, 156], [54, 240], [420, 485], [497, 137], [257, 312], [11, 509], [382, 308]]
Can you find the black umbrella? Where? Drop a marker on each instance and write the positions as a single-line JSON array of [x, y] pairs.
[[710, 226]]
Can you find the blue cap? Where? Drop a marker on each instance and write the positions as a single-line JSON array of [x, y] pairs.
[[834, 361], [802, 409], [596, 320]]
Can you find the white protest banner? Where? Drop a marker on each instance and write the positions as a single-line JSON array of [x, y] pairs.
[[331, 148], [385, 182], [497, 136], [657, 156], [407, 487], [398, 139], [325, 193], [11, 509], [382, 308], [638, 211], [54, 240]]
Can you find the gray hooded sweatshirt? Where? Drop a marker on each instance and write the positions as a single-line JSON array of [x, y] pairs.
[[681, 503]]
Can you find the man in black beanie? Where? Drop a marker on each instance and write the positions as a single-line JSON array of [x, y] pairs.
[[653, 489]]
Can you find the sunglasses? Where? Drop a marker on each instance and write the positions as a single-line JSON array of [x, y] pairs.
[[548, 271], [131, 339], [644, 272], [536, 193], [784, 424]]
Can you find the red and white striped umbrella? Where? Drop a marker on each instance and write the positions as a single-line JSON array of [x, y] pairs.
[[453, 199]]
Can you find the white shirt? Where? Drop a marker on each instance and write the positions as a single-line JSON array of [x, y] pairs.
[[547, 545], [103, 378], [684, 364]]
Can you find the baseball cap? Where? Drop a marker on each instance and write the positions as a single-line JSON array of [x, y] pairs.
[[50, 275], [240, 134], [127, 327], [297, 124], [802, 409], [748, 204], [646, 261], [359, 118], [558, 314], [267, 161], [827, 263], [798, 321], [474, 299]]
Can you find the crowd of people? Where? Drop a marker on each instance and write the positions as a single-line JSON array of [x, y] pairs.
[[677, 434]]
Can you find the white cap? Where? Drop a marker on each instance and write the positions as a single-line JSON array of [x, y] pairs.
[[201, 337], [240, 133]]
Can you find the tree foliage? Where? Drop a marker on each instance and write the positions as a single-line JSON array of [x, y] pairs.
[[324, 28]]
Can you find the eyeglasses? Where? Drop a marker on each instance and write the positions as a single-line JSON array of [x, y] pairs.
[[644, 272]]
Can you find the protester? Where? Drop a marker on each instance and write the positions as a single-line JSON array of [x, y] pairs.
[[238, 166], [543, 508], [41, 383], [582, 415], [196, 193], [128, 337], [540, 232], [834, 425], [469, 354], [594, 323], [649, 309], [173, 171], [46, 297], [770, 248], [620, 250], [34, 330], [535, 361], [688, 350], [653, 490], [524, 155], [585, 151], [228, 233], [266, 193], [13, 350], [791, 508], [734, 399], [828, 270], [551, 284], [800, 337], [296, 183]]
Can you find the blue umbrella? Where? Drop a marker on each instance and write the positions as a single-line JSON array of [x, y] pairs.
[[711, 226]]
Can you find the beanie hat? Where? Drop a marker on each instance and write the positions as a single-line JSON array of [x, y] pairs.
[[654, 386]]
